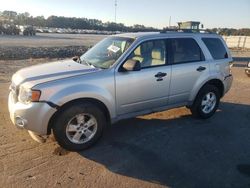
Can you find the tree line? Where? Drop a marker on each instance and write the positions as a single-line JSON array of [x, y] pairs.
[[14, 18], [231, 31], [11, 17]]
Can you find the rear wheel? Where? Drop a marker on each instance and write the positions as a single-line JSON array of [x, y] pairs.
[[206, 102], [79, 126]]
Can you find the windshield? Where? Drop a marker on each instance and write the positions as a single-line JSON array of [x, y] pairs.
[[105, 53]]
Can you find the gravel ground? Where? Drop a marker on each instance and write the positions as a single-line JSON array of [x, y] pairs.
[[12, 53], [167, 149], [45, 45], [49, 40]]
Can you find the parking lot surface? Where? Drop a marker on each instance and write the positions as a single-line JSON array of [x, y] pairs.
[[167, 149]]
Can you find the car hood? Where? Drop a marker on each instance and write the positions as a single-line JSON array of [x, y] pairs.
[[51, 71]]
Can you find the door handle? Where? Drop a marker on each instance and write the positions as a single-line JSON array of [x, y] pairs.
[[200, 69], [160, 75]]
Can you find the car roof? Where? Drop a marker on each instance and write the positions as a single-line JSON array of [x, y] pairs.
[[140, 35]]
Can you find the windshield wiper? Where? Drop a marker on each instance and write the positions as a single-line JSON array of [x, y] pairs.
[[87, 63], [84, 61]]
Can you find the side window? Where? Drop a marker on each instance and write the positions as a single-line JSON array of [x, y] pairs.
[[216, 48], [185, 50], [150, 53]]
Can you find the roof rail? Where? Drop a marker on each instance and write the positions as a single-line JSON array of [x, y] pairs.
[[187, 31]]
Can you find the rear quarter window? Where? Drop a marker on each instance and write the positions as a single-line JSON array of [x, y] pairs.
[[216, 48]]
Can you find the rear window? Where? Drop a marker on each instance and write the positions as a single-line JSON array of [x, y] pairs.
[[216, 48]]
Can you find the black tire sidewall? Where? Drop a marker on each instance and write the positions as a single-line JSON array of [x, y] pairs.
[[197, 108], [59, 128]]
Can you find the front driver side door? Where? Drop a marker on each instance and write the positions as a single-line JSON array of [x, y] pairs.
[[148, 88]]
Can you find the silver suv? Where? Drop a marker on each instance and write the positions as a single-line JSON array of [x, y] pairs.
[[122, 76]]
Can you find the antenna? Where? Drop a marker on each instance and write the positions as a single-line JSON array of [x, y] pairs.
[[115, 9]]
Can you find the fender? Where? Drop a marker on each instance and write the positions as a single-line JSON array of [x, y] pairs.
[[200, 83], [81, 91]]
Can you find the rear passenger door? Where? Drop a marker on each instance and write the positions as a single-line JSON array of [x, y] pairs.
[[188, 67]]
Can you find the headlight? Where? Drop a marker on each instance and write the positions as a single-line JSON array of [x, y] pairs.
[[248, 64], [27, 95]]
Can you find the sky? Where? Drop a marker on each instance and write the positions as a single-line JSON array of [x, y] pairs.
[[156, 13]]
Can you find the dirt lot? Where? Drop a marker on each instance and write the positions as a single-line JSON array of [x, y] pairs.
[[169, 149], [45, 45], [49, 40]]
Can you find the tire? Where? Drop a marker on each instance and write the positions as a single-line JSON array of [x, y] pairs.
[[205, 105], [79, 126]]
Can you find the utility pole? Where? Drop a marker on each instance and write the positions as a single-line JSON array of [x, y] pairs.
[[169, 24], [115, 9]]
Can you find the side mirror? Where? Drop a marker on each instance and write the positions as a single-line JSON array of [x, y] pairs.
[[132, 65]]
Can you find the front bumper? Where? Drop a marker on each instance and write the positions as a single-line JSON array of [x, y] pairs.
[[34, 116], [227, 83]]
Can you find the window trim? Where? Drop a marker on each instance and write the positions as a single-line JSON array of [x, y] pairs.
[[171, 54], [167, 55]]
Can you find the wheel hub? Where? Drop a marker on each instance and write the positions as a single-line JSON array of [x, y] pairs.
[[81, 128], [208, 102]]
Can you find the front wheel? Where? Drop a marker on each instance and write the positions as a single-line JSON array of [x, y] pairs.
[[206, 102], [79, 126]]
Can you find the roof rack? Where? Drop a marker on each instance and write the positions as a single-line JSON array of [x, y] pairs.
[[187, 31]]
